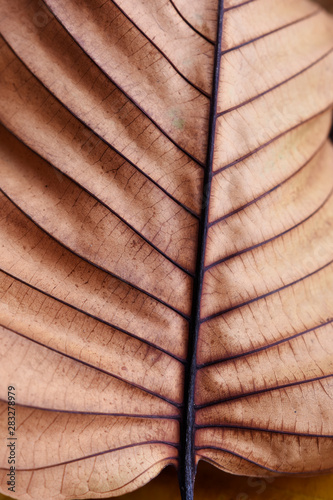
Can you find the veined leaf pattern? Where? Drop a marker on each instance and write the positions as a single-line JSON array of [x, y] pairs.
[[166, 240]]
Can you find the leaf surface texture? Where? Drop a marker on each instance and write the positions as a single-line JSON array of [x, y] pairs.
[[111, 126]]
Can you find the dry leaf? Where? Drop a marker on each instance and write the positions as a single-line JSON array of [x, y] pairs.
[[166, 234], [213, 484], [328, 4]]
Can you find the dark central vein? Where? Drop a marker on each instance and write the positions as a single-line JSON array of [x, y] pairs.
[[187, 466]]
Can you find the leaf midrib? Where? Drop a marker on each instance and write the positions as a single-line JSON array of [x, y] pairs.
[[187, 466]]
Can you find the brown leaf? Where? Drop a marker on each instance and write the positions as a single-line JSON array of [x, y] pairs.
[[328, 4], [166, 234]]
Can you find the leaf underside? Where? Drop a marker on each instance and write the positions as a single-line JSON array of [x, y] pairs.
[[166, 282]]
